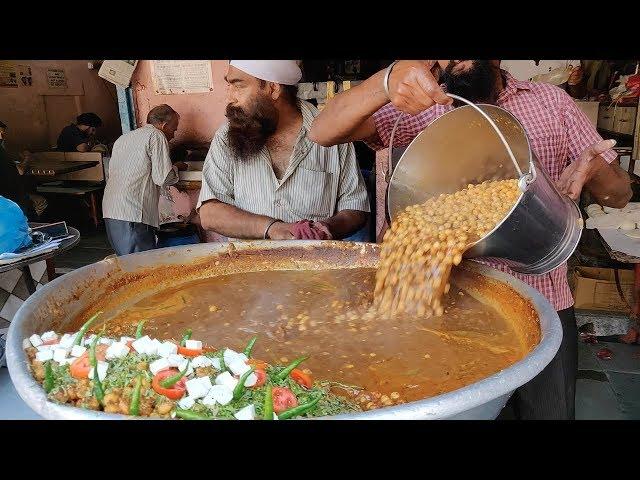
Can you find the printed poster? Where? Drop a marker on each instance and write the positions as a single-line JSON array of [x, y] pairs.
[[171, 77], [8, 75], [56, 78], [24, 75]]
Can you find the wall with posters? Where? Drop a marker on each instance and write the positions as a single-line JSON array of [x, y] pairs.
[[48, 95], [200, 113]]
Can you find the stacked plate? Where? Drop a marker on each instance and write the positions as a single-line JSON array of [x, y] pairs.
[[626, 219]]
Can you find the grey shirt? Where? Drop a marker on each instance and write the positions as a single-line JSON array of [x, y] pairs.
[[139, 166], [318, 183]]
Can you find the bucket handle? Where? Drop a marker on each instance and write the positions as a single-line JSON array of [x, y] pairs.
[[524, 180]]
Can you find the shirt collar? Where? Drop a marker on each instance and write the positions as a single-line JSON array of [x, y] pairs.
[[303, 144], [309, 113], [511, 85]]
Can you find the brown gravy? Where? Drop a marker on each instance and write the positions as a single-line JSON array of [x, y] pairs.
[[321, 313]]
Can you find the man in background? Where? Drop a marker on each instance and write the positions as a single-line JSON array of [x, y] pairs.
[[140, 165], [80, 136]]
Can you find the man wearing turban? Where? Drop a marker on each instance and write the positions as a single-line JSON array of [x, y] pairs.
[[263, 177]]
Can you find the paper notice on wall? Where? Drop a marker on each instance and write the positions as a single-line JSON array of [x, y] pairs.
[[8, 75], [172, 77], [118, 71], [56, 78], [24, 75]]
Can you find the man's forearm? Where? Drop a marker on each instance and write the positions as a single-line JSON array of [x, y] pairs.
[[172, 177], [343, 117], [346, 223], [611, 186], [231, 221]]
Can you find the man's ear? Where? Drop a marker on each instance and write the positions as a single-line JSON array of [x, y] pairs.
[[276, 90]]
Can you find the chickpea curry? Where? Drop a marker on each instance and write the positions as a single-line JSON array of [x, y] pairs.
[[361, 332]]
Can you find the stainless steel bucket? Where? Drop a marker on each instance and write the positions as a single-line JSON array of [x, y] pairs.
[[462, 147]]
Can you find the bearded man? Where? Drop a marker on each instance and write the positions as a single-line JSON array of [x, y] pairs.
[[562, 138], [263, 177]]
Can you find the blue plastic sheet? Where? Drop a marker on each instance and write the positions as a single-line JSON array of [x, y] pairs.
[[14, 229]]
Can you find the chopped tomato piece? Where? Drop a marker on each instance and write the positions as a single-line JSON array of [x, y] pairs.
[[189, 352], [301, 378], [80, 367], [262, 378], [283, 399], [175, 392]]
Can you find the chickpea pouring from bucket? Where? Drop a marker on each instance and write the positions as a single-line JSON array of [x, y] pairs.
[[469, 186]]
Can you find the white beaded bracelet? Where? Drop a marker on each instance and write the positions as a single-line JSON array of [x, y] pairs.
[[386, 78]]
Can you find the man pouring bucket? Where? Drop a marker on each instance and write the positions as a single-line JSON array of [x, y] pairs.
[[561, 137]]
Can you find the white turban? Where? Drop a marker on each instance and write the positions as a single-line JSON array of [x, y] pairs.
[[286, 72]]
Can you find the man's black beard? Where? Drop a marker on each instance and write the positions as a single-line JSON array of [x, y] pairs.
[[478, 84], [249, 132]]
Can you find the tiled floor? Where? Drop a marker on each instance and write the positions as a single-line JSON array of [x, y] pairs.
[[12, 407], [608, 389]]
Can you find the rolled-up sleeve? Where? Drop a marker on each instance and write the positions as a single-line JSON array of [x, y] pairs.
[[408, 128], [352, 191], [581, 133], [217, 173], [162, 171]]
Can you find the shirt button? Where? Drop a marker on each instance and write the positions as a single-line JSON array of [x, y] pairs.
[[277, 203]]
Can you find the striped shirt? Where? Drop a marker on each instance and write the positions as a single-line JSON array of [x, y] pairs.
[[139, 166], [318, 183], [558, 132]]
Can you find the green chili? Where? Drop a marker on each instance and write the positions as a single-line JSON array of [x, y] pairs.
[[139, 329], [247, 351], [48, 377], [171, 381], [237, 392], [185, 337], [84, 329], [300, 409], [285, 373], [134, 406], [189, 415], [92, 350], [268, 404], [223, 366], [97, 384]]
